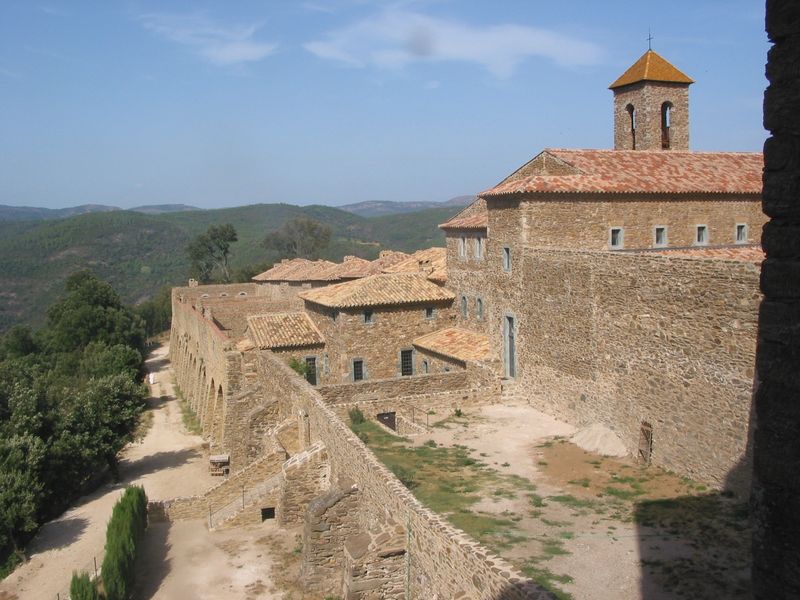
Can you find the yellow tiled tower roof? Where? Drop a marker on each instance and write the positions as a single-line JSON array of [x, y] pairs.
[[651, 67]]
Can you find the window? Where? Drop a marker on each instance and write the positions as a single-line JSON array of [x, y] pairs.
[[632, 114], [464, 306], [479, 247], [368, 316], [406, 362], [509, 346], [660, 236], [425, 366], [507, 259], [430, 312], [616, 238], [701, 235], [479, 308], [311, 370], [666, 117], [358, 369], [741, 233], [462, 247], [335, 315]]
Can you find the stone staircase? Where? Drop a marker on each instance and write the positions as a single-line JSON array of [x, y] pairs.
[[510, 392]]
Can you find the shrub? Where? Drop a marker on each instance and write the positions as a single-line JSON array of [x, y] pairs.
[[356, 416], [458, 412], [125, 529], [82, 588], [430, 444], [299, 367], [405, 475]]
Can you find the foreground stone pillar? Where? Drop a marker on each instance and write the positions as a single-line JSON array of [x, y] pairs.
[[776, 454]]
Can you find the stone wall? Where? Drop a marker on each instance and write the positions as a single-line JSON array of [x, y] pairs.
[[626, 339], [776, 485], [440, 560], [647, 98], [378, 343]]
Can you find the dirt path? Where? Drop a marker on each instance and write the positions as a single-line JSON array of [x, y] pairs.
[[169, 462]]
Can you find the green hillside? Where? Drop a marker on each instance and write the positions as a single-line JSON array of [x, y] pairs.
[[139, 253]]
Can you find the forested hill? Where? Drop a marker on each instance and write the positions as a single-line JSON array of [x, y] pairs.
[[139, 253]]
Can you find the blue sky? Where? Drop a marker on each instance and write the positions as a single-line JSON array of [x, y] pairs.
[[337, 101]]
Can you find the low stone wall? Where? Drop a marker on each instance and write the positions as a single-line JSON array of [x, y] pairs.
[[187, 508], [441, 561], [395, 387]]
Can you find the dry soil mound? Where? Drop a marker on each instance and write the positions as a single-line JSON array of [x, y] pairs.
[[600, 439]]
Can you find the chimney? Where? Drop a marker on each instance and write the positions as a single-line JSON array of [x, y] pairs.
[[192, 283], [385, 253], [349, 257]]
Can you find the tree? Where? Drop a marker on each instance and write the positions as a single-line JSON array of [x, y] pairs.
[[299, 238], [210, 251]]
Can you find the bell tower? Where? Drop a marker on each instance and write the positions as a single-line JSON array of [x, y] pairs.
[[651, 106]]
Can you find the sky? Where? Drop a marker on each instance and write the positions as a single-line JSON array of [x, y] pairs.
[[219, 104]]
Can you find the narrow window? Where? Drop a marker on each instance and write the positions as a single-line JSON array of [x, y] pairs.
[[479, 308], [464, 306], [645, 443], [509, 345], [430, 312], [741, 233], [406, 362], [479, 247], [358, 369], [507, 259], [660, 236], [616, 238], [666, 117], [425, 366], [367, 316], [311, 370], [462, 247], [632, 114], [335, 315], [701, 235]]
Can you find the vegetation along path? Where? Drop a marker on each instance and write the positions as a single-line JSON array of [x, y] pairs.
[[168, 462]]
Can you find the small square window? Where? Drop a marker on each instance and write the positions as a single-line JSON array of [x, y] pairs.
[[479, 247], [660, 236], [507, 259], [358, 369], [368, 316], [701, 235], [616, 238], [430, 312], [741, 233]]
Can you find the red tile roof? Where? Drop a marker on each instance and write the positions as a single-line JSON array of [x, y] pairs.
[[283, 330], [651, 67], [297, 269], [432, 261], [473, 216], [460, 344], [636, 172], [379, 290]]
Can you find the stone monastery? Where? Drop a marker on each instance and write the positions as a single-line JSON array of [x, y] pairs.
[[617, 287]]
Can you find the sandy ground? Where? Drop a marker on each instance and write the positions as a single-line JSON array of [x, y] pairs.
[[169, 462], [605, 553], [185, 560]]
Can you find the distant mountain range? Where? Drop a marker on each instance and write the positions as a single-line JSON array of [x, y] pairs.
[[31, 213], [370, 208], [139, 251], [378, 208]]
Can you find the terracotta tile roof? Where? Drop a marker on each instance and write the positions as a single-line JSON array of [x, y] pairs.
[[651, 67], [472, 217], [432, 261], [742, 253], [297, 269], [354, 267], [283, 330], [460, 344], [638, 172], [379, 290]]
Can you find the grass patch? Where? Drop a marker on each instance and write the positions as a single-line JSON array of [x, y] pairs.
[[537, 501], [188, 416], [622, 493], [572, 501]]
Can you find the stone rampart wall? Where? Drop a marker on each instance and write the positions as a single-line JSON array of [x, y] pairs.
[[626, 339], [441, 560]]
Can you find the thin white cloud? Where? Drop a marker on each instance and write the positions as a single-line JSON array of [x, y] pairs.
[[219, 44], [395, 38]]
